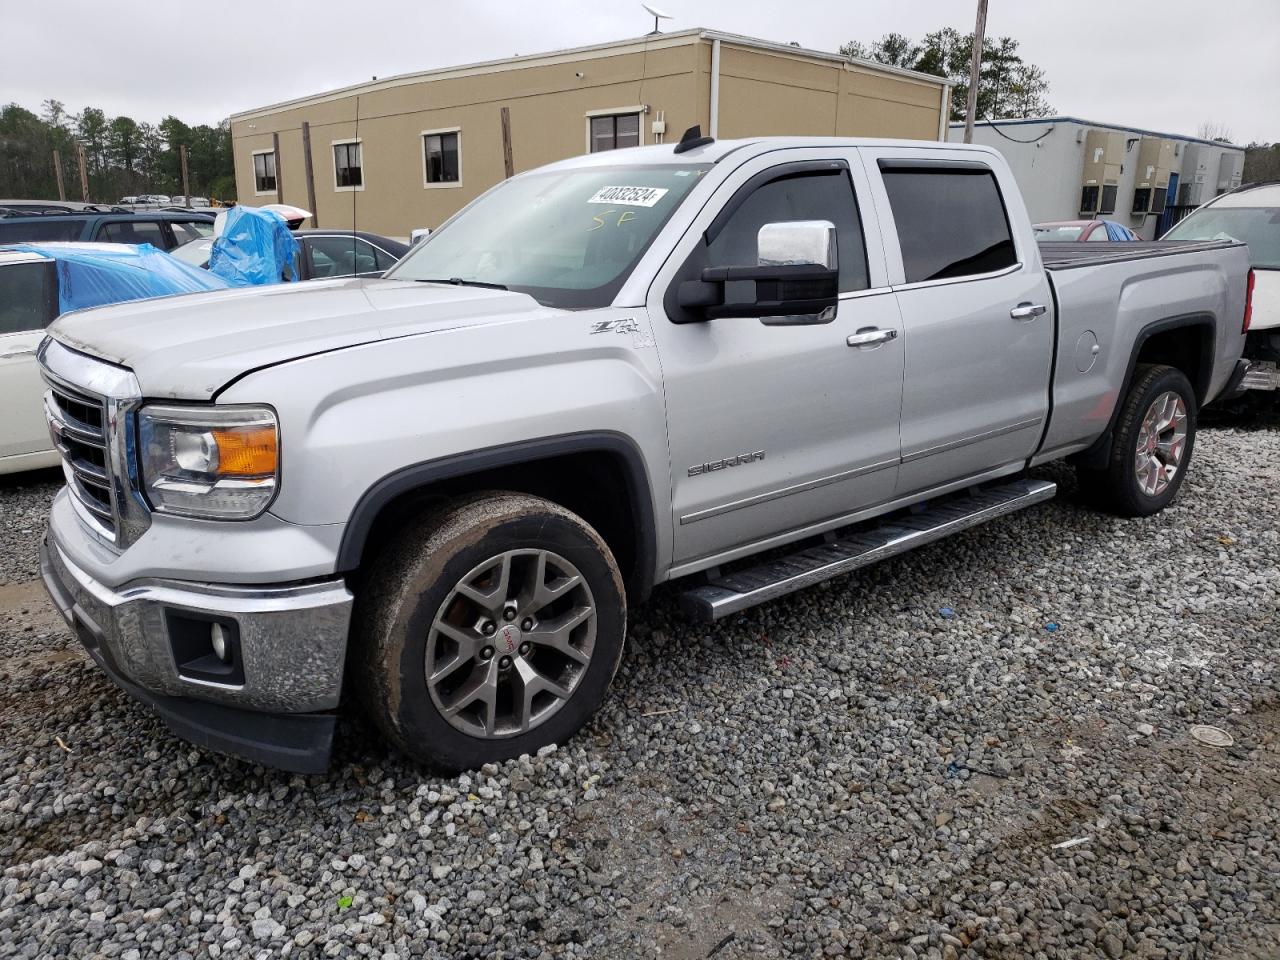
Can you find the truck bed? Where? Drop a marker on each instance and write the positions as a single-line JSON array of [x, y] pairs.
[[1066, 256]]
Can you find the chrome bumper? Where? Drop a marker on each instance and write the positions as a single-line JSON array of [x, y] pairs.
[[1261, 375]]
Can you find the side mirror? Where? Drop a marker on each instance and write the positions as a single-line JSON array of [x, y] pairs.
[[795, 275], [416, 236]]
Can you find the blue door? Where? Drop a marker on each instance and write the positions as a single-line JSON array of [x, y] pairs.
[[1166, 218]]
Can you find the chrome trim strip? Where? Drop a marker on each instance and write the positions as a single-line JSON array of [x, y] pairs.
[[975, 438], [921, 284], [786, 491]]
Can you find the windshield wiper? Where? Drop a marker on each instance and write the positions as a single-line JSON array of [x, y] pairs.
[[459, 282]]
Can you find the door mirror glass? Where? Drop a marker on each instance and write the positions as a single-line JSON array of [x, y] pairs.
[[797, 241]]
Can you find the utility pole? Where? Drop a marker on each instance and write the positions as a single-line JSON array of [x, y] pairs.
[[186, 183], [84, 173], [975, 70], [57, 172], [508, 164]]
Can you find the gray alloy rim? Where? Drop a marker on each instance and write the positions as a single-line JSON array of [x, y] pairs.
[[510, 644], [1162, 443]]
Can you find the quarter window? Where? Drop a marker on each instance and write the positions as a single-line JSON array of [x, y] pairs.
[[811, 196], [341, 257], [264, 172], [440, 152], [348, 173], [950, 222], [615, 131]]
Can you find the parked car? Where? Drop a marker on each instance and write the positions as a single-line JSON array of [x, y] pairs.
[[1072, 231], [162, 230], [743, 366], [37, 284], [1250, 213], [324, 253], [128, 200], [181, 201]]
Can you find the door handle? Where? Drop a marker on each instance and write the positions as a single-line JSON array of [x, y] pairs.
[[28, 352], [1028, 311], [870, 337]]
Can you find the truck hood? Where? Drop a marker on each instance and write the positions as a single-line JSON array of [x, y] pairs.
[[188, 347]]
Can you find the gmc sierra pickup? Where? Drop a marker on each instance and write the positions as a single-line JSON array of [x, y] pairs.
[[445, 488]]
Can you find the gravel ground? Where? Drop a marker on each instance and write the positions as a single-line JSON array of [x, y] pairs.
[[24, 511], [886, 765]]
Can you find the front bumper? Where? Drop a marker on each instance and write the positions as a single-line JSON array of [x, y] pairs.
[[290, 647]]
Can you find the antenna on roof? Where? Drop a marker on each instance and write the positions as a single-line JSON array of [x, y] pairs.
[[657, 15], [692, 138]]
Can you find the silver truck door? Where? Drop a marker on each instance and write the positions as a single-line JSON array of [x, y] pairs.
[[976, 310], [781, 423]]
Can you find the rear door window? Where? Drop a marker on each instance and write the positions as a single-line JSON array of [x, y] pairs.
[[341, 257], [134, 231], [951, 221]]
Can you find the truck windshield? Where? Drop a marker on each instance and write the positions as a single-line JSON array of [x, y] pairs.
[[1257, 226], [568, 238]]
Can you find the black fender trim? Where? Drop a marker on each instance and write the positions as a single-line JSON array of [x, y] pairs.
[[423, 474], [1099, 453]]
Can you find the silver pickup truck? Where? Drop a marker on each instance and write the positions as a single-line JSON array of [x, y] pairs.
[[741, 366]]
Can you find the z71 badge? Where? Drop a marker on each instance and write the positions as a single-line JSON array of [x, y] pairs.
[[700, 468], [617, 325]]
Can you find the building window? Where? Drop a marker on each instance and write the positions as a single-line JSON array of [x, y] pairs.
[[264, 172], [348, 170], [611, 131], [1108, 205], [441, 158]]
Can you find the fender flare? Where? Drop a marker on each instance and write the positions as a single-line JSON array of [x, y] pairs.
[[1097, 455], [418, 475]]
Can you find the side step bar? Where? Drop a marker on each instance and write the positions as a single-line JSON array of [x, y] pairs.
[[857, 547]]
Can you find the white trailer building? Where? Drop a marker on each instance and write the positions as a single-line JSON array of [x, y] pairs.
[[1070, 169]]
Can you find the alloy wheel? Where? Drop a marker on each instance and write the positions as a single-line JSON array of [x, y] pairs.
[[1162, 443]]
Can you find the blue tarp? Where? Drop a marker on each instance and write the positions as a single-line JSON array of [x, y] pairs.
[[1118, 231], [255, 247], [96, 274]]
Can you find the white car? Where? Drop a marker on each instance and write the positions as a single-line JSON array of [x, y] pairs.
[[1250, 213], [28, 304]]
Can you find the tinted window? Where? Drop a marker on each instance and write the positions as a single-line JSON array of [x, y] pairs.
[[23, 229], [130, 231], [184, 232], [264, 172], [347, 160], [441, 151], [951, 223], [28, 296], [806, 197], [385, 260], [341, 257], [1099, 233], [610, 133]]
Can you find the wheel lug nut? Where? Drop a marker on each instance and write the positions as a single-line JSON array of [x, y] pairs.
[[504, 662], [509, 614], [526, 623], [489, 628], [525, 648], [486, 653]]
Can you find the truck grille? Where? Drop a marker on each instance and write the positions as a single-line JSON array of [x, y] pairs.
[[77, 424]]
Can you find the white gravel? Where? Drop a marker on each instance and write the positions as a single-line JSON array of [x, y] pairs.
[[24, 511], [847, 772]]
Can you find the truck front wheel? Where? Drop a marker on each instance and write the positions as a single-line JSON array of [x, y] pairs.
[[488, 630], [1151, 449]]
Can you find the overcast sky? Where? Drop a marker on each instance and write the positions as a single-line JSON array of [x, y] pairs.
[[1167, 66]]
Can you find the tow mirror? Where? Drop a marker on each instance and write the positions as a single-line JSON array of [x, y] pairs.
[[795, 275]]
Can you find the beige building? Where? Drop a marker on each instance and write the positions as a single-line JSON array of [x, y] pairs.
[[409, 151]]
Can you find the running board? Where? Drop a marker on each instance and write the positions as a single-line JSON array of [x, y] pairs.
[[857, 547]]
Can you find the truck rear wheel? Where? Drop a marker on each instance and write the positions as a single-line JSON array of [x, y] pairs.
[[1151, 449], [489, 630]]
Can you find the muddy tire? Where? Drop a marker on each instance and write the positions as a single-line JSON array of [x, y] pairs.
[[1151, 449], [489, 629]]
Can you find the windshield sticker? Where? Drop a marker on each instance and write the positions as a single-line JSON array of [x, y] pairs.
[[629, 196]]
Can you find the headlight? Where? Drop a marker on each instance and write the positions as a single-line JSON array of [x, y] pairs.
[[219, 463]]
